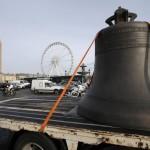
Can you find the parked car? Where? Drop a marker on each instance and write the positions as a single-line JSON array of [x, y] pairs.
[[16, 86], [20, 83], [45, 86], [1, 86], [26, 84]]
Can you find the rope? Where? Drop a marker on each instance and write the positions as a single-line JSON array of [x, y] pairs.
[[54, 107]]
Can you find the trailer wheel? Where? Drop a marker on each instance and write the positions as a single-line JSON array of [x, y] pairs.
[[34, 141]]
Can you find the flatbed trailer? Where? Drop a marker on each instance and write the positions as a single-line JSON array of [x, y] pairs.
[[25, 115]]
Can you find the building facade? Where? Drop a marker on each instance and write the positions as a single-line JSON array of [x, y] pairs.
[[7, 77]]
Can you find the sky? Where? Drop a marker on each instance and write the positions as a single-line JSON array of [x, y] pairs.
[[27, 27]]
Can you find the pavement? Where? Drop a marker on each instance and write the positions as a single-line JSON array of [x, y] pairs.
[[6, 134]]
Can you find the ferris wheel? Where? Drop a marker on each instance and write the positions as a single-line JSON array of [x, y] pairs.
[[57, 60]]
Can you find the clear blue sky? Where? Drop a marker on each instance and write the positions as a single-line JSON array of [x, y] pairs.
[[27, 27]]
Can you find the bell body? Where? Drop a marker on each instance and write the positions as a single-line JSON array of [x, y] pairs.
[[120, 91]]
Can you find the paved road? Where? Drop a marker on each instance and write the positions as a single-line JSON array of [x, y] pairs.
[[5, 134]]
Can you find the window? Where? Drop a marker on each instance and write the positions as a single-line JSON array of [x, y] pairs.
[[47, 84]]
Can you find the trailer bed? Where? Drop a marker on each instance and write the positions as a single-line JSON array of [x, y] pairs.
[[28, 112]]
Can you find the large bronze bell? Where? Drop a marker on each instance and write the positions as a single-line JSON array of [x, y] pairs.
[[120, 91]]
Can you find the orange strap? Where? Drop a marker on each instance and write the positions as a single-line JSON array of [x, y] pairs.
[[52, 110]]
